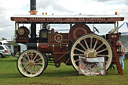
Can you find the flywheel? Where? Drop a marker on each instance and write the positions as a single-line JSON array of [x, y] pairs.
[[77, 31]]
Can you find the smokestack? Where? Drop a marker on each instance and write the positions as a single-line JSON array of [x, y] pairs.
[[33, 7], [33, 24], [33, 30], [32, 4]]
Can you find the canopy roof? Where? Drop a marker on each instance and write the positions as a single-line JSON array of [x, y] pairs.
[[53, 19]]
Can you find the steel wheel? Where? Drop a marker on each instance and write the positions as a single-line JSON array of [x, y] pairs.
[[91, 45], [31, 63]]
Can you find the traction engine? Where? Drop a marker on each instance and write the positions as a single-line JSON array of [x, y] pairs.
[[62, 47]]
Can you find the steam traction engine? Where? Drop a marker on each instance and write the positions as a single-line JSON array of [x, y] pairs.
[[63, 47]]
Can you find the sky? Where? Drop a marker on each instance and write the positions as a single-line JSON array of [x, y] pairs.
[[10, 8]]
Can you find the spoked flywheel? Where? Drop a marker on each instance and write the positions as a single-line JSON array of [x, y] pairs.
[[31, 63], [91, 46]]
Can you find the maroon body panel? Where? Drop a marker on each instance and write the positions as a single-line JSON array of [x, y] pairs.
[[58, 38]]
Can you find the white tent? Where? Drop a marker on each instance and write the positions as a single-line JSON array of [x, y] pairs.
[[123, 28], [124, 35]]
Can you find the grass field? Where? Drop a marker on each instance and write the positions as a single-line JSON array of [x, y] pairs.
[[65, 75]]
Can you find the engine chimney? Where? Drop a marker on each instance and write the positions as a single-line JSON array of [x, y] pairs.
[[33, 7], [33, 24], [32, 4]]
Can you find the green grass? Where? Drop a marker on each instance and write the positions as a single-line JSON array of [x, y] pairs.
[[64, 75]]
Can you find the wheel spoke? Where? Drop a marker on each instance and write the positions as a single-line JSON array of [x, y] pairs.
[[38, 63], [27, 56], [100, 46], [86, 44], [79, 50], [24, 65], [102, 50], [91, 43], [30, 70], [24, 59], [95, 44], [82, 46], [31, 55], [34, 68], [76, 60], [38, 68], [35, 57], [27, 68], [78, 54], [102, 55]]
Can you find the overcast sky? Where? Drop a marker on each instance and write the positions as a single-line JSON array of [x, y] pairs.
[[9, 8]]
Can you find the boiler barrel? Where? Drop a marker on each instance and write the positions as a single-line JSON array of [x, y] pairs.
[[31, 45], [48, 48]]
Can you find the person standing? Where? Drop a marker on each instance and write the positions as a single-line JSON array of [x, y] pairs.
[[120, 51]]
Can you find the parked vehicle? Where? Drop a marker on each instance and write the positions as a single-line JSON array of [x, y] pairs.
[[17, 48], [4, 51], [4, 42]]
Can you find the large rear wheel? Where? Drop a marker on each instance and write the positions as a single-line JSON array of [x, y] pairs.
[[91, 45], [31, 63]]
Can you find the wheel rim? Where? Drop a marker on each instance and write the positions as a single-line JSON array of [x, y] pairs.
[[91, 45], [31, 63]]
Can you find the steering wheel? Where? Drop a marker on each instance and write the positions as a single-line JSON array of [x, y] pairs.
[[95, 29]]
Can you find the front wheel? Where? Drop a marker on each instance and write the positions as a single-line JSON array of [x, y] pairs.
[[31, 63]]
